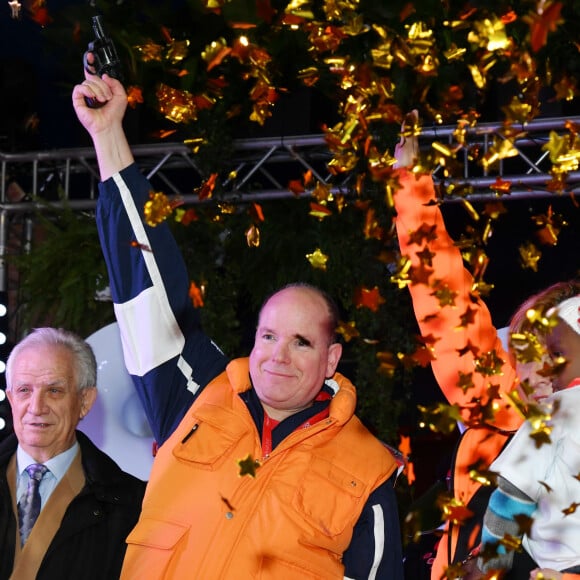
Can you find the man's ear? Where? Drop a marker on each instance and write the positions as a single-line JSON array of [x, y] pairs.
[[334, 354], [88, 398]]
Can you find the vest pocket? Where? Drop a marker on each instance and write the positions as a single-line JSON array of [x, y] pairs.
[[151, 546], [210, 438], [328, 497]]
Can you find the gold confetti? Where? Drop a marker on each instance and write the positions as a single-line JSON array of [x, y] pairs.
[[248, 466], [157, 208], [348, 330], [317, 259], [253, 236]]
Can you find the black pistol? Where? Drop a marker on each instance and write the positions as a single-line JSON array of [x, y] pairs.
[[105, 58]]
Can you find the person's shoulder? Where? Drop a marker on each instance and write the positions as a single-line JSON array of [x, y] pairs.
[[132, 481], [101, 468], [359, 444]]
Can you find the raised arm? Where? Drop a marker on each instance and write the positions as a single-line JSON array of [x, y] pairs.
[[461, 328], [166, 352], [104, 121]]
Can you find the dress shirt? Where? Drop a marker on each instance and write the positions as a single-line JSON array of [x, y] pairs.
[[57, 467]]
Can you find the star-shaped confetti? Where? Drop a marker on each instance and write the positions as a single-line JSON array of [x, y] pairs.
[[445, 295], [196, 294], [248, 466], [317, 259], [483, 476], [571, 509], [253, 236], [468, 317], [468, 348], [368, 298], [465, 381], [425, 233], [440, 417], [489, 364], [426, 257], [158, 208], [454, 510], [530, 256], [348, 330]]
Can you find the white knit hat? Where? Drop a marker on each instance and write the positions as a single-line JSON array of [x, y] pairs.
[[569, 312]]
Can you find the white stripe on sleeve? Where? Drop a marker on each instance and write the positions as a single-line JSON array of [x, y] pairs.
[[149, 331], [379, 532]]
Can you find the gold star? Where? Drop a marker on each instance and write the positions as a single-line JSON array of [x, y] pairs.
[[426, 257], [530, 256], [489, 364], [317, 259], [424, 233], [248, 466], [347, 330], [467, 317], [465, 381], [445, 295]]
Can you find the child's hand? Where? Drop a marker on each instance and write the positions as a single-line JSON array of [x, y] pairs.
[[407, 148]]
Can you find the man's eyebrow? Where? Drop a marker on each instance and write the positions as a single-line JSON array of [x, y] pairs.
[[50, 383], [305, 340], [20, 383]]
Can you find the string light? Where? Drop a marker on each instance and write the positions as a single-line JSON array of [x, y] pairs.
[[4, 408]]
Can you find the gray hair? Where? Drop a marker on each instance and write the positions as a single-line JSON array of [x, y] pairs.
[[84, 361]]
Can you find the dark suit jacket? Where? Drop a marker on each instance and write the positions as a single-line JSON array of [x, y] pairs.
[[90, 541]]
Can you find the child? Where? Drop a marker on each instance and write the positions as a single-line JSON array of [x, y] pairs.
[[542, 480], [418, 211]]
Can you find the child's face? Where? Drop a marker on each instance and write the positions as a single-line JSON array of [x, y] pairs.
[[564, 342], [531, 374]]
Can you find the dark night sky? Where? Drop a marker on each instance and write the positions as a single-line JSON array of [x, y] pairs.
[[31, 79]]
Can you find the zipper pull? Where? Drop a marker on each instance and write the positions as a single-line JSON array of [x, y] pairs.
[[193, 430]]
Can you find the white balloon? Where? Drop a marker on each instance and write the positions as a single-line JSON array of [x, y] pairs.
[[117, 423]]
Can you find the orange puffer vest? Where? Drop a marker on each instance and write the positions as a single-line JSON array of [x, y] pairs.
[[201, 519]]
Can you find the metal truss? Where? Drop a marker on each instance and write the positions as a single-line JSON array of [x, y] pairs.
[[259, 169], [262, 169], [528, 171]]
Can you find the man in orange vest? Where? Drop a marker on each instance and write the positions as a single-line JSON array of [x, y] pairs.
[[263, 470]]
